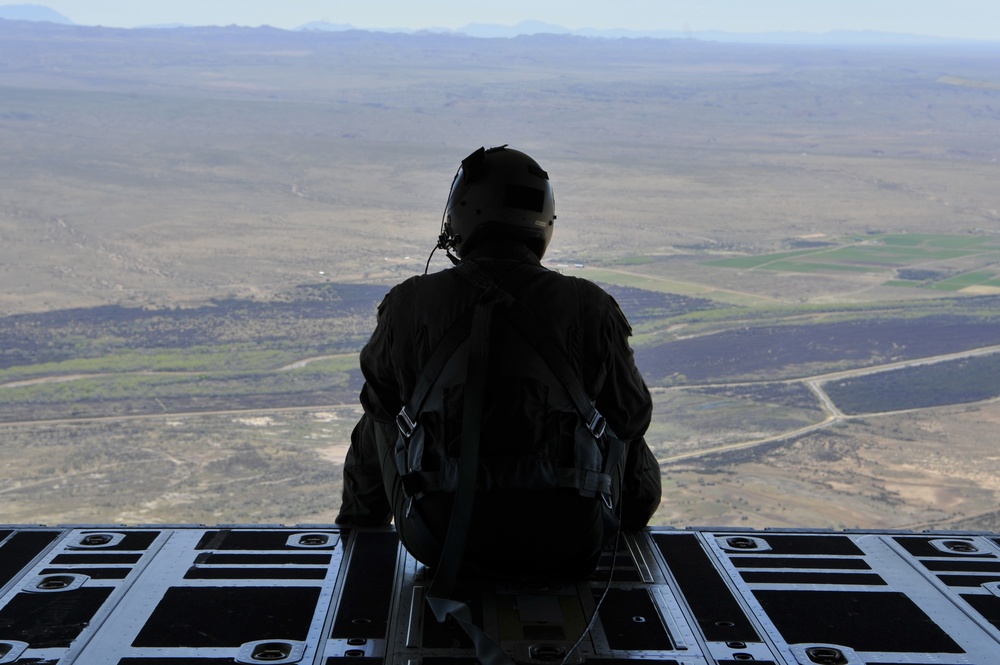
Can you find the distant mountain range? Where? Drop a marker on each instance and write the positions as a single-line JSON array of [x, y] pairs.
[[32, 13], [845, 37], [485, 30]]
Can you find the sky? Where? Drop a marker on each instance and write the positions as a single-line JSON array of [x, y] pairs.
[[968, 19]]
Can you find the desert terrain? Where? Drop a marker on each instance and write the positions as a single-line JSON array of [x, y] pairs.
[[196, 226]]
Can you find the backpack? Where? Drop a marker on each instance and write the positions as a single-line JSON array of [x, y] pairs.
[[530, 438]]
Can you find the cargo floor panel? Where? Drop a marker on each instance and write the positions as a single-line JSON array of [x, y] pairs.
[[193, 595]]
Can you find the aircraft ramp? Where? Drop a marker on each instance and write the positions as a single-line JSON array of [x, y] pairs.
[[196, 595]]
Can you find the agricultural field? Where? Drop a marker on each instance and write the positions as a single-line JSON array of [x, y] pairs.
[[935, 261]]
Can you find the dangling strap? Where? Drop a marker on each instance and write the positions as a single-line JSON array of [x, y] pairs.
[[488, 652], [468, 459]]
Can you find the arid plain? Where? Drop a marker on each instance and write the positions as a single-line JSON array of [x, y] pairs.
[[764, 198]]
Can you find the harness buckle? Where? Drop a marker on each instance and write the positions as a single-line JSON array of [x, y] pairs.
[[405, 423], [597, 425]]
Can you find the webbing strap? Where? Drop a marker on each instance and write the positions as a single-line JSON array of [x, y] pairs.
[[458, 332], [488, 652]]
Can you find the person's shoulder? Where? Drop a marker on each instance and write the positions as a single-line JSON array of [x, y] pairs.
[[400, 293], [419, 285], [587, 289], [406, 286], [418, 282], [600, 302]]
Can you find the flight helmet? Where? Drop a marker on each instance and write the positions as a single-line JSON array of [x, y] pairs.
[[498, 191]]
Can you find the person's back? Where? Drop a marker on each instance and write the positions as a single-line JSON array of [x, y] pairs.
[[529, 513]]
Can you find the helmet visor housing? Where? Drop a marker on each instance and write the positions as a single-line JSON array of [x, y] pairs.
[[500, 191]]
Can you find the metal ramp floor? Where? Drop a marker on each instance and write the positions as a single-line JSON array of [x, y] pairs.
[[196, 595]]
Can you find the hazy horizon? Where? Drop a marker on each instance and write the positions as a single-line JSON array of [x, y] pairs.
[[962, 19]]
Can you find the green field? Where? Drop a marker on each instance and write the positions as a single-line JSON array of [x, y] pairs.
[[803, 267], [975, 278], [666, 285], [961, 256]]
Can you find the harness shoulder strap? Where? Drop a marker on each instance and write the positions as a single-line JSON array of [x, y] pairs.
[[459, 331]]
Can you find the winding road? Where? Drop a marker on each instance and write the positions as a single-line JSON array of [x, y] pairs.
[[833, 414]]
